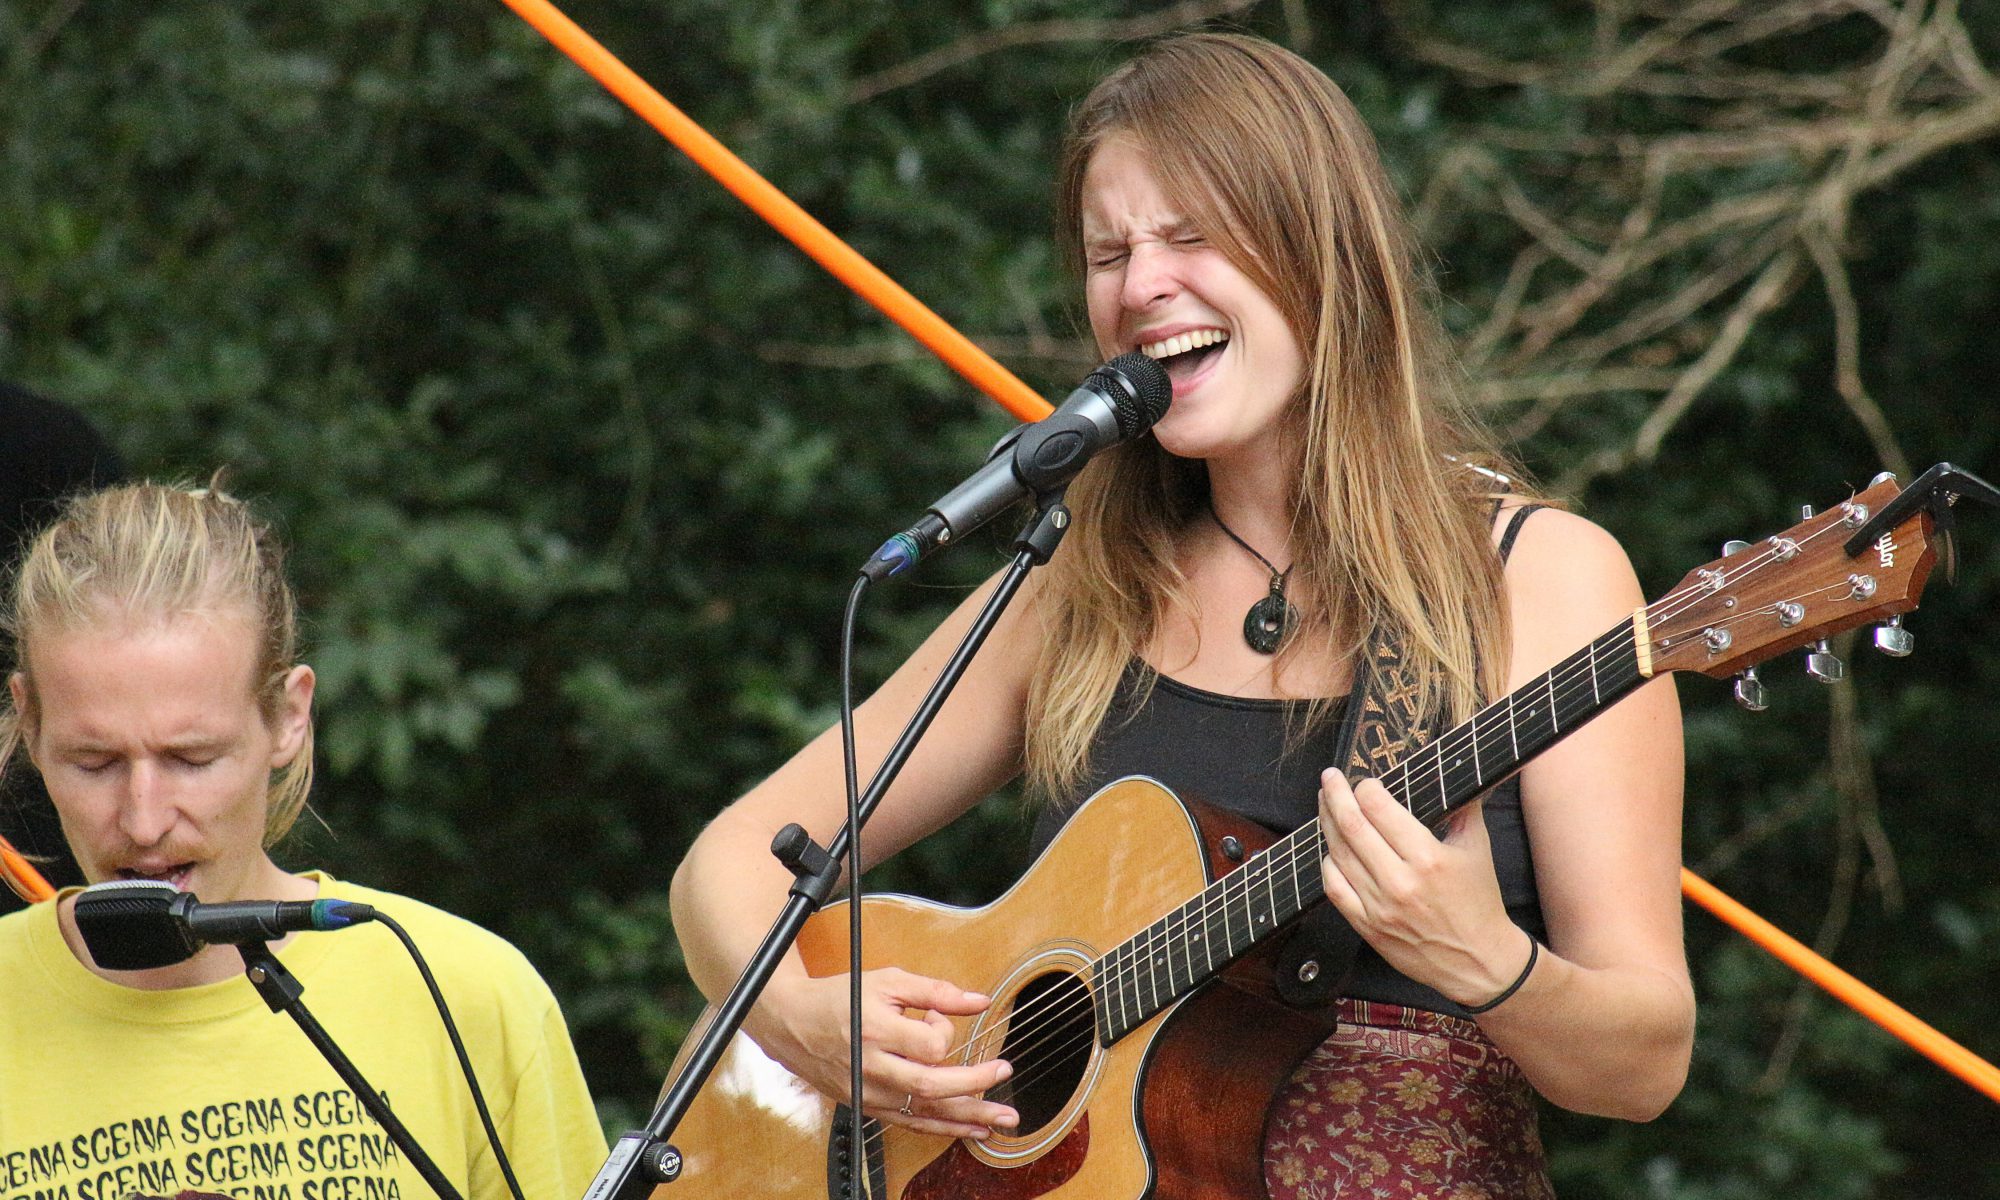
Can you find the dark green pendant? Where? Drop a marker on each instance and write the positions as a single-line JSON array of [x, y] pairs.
[[1269, 620]]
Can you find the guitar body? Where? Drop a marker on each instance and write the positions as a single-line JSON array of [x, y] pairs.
[[1174, 1109]]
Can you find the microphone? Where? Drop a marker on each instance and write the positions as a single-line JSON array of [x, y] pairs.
[[139, 924], [1115, 403]]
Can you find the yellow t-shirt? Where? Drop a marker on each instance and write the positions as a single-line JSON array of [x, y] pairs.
[[107, 1090]]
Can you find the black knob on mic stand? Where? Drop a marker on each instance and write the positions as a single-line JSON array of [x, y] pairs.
[[280, 990]]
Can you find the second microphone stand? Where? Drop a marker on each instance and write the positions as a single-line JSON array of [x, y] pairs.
[[643, 1158], [281, 990]]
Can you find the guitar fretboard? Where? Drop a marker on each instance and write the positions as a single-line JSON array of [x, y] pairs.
[[1188, 946]]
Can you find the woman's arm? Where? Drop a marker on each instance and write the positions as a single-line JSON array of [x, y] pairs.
[[1605, 1023], [729, 888]]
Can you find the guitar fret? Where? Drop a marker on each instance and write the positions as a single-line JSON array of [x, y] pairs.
[[1100, 996], [1487, 754], [1102, 988], [1269, 876], [1177, 937], [1293, 855], [1243, 895], [1162, 948], [1236, 899], [1551, 677], [1513, 733], [1119, 981], [1223, 919], [1215, 919], [1196, 932], [1093, 981], [1437, 751], [1134, 980], [1152, 978], [1302, 855], [1142, 973], [1152, 967], [1246, 878], [1253, 919], [1207, 938], [1125, 999], [1478, 774]]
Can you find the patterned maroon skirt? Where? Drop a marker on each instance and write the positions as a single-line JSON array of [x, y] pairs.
[[1407, 1104]]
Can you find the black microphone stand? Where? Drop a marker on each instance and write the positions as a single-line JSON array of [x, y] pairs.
[[643, 1158], [281, 990]]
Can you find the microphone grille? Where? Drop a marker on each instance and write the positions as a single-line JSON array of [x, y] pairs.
[[1139, 390], [126, 926]]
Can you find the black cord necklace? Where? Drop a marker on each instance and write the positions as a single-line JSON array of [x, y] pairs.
[[1271, 618]]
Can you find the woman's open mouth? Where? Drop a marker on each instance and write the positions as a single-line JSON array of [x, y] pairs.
[[1184, 354]]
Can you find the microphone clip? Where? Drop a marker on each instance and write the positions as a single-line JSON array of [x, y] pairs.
[[1048, 453]]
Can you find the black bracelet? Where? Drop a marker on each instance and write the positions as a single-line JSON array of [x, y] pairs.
[[1534, 952]]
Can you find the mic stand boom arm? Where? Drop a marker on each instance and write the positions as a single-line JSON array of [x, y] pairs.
[[643, 1157], [280, 990]]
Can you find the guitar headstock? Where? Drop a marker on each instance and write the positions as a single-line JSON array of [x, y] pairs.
[[1790, 589]]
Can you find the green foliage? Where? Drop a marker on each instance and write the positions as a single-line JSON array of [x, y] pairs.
[[576, 456]]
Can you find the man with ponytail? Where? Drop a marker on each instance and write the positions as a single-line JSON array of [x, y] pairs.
[[1305, 529], [156, 689]]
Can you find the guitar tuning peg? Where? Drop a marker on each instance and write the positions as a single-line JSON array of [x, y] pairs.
[[1750, 691], [1822, 665], [1894, 640], [1733, 545]]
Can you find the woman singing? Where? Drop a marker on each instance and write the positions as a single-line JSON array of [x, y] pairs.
[[1307, 497]]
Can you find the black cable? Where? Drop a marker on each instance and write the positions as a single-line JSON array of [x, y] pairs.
[[458, 1046], [847, 750]]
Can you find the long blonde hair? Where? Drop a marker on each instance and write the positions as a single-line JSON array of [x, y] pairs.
[[148, 550], [1268, 158]]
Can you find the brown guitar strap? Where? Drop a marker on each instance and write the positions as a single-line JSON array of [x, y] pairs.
[[1377, 730]]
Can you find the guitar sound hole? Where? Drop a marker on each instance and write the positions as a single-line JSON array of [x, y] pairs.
[[1050, 1033]]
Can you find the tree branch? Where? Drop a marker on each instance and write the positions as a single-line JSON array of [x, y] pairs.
[[1770, 287], [1847, 352]]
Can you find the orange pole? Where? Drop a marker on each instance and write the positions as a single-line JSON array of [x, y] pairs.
[[21, 875], [1858, 995], [819, 243]]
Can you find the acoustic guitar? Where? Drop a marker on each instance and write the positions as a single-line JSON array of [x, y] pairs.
[[1126, 969]]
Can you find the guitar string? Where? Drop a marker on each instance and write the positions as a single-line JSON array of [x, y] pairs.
[[1566, 673], [1268, 874]]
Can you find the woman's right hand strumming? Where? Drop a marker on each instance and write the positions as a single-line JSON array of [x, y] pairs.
[[911, 1065], [729, 887]]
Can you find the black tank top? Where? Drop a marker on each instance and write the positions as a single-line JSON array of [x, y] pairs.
[[1233, 753]]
